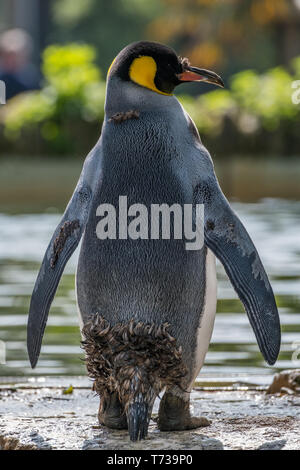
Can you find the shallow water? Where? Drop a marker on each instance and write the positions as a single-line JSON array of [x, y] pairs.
[[274, 225]]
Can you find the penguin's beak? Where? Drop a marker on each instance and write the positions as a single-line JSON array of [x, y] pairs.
[[193, 74]]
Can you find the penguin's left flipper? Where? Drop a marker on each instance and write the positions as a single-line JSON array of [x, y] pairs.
[[63, 243], [226, 236]]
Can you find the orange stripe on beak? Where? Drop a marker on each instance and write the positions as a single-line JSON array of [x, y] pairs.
[[188, 76], [193, 74]]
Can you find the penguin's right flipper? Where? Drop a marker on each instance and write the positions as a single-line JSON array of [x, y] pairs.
[[226, 236], [63, 243]]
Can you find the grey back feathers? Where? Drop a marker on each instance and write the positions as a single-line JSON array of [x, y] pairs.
[[148, 280]]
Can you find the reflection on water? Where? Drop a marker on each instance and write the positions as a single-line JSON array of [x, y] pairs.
[[274, 226]]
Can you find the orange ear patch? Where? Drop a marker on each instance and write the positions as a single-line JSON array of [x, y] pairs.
[[142, 71]]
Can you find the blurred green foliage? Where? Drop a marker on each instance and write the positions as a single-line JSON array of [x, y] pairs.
[[73, 91], [73, 95], [107, 25], [253, 102], [226, 36]]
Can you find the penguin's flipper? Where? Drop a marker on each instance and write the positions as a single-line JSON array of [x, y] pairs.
[[226, 236], [63, 243]]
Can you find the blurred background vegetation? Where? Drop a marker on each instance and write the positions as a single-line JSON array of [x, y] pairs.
[[254, 45]]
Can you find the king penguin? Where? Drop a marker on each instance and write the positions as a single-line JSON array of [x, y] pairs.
[[147, 305]]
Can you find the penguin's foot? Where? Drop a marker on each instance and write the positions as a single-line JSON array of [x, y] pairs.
[[111, 412], [174, 415]]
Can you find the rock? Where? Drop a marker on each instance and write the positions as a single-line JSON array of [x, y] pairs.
[[275, 445], [287, 381]]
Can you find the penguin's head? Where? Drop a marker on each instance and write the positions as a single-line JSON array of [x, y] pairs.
[[157, 67]]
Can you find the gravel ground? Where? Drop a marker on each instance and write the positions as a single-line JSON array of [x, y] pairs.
[[38, 415]]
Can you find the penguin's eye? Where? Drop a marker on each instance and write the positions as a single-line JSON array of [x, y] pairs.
[[170, 66]]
